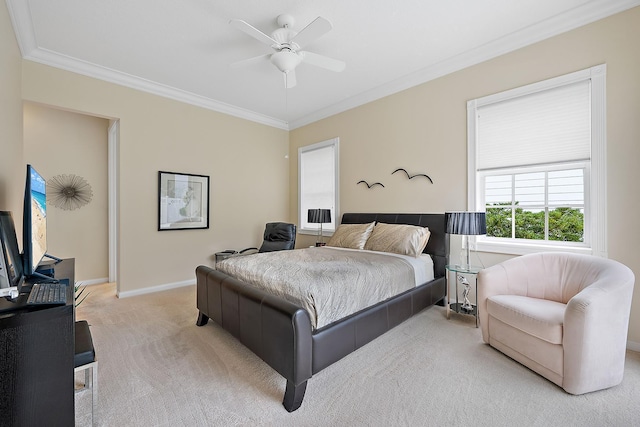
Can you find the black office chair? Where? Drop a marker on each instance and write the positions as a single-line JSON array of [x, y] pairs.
[[278, 236]]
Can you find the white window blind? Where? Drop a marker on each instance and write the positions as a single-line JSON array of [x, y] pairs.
[[317, 165], [551, 126]]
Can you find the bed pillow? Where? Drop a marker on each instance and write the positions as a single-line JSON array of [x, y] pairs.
[[352, 236], [398, 238]]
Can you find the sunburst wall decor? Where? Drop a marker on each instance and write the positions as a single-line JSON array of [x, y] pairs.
[[68, 192]]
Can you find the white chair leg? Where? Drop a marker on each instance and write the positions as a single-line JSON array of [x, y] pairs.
[[87, 378], [90, 382], [94, 393]]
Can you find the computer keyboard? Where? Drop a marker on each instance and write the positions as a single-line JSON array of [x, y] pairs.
[[47, 293]]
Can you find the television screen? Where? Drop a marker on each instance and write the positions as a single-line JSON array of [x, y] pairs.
[[10, 262], [34, 242]]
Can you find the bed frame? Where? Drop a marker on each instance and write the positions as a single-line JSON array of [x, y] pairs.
[[280, 332]]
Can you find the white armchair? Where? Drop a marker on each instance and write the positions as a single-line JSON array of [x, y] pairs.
[[563, 315]]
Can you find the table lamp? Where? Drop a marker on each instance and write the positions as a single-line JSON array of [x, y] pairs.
[[466, 224], [319, 216]]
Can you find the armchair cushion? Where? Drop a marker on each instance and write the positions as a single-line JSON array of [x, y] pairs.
[[537, 317]]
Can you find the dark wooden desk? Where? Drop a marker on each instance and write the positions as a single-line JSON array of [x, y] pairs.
[[36, 360]]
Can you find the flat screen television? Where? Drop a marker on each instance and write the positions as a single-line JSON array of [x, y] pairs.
[[34, 226], [10, 261]]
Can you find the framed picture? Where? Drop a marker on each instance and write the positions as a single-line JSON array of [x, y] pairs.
[[183, 201]]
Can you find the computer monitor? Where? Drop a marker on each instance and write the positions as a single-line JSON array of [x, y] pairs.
[[34, 226], [10, 261]]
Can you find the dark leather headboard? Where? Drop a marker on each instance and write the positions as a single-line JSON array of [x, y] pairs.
[[438, 245]]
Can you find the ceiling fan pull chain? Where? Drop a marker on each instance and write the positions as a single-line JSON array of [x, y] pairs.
[[286, 97]]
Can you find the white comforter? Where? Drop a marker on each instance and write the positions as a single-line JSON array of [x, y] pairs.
[[330, 283]]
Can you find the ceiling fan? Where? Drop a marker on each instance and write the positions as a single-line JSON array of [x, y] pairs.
[[287, 44]]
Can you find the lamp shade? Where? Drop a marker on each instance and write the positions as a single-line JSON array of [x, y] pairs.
[[466, 223], [319, 216]]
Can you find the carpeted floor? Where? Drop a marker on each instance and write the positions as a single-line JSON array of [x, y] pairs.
[[156, 368]]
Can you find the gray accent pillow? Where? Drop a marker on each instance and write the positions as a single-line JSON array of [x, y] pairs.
[[398, 238], [352, 236]]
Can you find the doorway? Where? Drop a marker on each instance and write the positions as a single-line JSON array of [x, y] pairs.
[[59, 142]]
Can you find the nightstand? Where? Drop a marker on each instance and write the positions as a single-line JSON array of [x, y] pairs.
[[461, 272]]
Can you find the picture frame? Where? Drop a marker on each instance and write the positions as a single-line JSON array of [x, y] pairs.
[[183, 201]]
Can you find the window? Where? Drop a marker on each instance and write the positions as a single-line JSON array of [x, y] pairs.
[[318, 182], [537, 165], [544, 205]]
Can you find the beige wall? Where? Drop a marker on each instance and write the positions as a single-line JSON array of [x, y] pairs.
[[423, 129], [246, 162], [11, 166], [58, 142]]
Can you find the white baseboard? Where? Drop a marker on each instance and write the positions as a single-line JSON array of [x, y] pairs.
[[93, 281], [158, 288], [635, 346]]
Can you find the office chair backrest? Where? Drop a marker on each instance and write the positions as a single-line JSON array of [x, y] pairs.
[[278, 236]]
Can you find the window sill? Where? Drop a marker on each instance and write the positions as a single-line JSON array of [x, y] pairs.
[[511, 248], [315, 232]]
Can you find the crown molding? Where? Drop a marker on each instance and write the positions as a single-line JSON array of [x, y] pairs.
[[588, 13], [88, 69], [25, 35], [20, 16]]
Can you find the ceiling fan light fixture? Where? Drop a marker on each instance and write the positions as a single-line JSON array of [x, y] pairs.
[[285, 60], [287, 43]]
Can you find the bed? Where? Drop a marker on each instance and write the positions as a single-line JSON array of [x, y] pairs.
[[281, 332]]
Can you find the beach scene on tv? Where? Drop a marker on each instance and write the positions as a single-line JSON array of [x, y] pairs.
[[39, 215]]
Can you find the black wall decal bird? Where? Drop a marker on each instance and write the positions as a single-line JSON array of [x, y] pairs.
[[412, 176], [372, 185]]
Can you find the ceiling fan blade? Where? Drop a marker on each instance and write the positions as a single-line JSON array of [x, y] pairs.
[[315, 29], [322, 61], [290, 79], [250, 61], [253, 32]]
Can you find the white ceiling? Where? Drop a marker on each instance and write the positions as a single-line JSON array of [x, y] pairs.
[[183, 49]]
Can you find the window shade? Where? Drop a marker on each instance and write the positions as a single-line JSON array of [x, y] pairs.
[[317, 181], [549, 126]]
